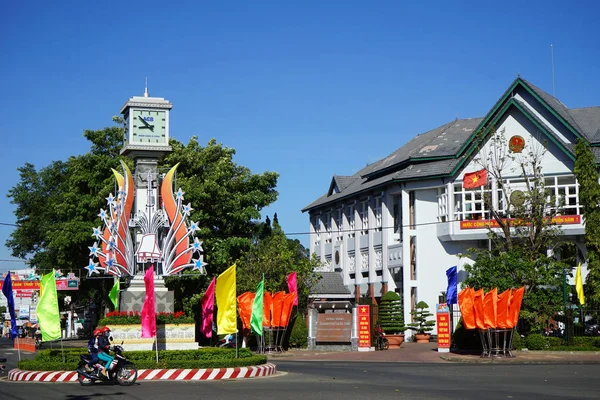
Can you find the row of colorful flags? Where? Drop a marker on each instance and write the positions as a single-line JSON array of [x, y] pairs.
[[223, 288], [47, 308]]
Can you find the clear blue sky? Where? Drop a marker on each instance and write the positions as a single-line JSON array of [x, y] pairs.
[[308, 90]]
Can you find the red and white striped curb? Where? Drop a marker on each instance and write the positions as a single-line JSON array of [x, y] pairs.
[[211, 374]]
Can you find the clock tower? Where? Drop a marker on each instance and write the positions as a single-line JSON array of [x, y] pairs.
[[146, 140]]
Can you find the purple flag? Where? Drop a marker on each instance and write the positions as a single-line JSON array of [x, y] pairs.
[[208, 307], [8, 293], [293, 285], [149, 307], [451, 292]]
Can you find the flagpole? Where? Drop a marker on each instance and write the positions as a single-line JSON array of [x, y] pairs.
[[62, 350], [18, 345], [156, 346]]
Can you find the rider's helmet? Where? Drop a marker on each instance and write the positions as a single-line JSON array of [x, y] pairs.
[[97, 332], [105, 330]]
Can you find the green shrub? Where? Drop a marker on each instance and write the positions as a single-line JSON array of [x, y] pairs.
[[299, 334], [535, 341], [422, 323], [596, 342], [391, 313], [518, 343], [36, 365], [553, 342], [467, 340]]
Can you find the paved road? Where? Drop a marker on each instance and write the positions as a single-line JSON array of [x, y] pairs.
[[313, 380]]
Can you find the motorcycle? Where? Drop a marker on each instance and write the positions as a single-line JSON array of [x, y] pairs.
[[120, 370], [2, 366]]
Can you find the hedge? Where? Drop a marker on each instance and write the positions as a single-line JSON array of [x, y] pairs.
[[52, 360]]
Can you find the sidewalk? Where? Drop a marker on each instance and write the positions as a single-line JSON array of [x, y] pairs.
[[427, 353]]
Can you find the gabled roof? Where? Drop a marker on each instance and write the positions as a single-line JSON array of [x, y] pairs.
[[442, 152], [339, 183], [588, 120], [331, 283]]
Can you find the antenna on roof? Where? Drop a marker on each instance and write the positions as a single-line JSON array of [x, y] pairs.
[[552, 53]]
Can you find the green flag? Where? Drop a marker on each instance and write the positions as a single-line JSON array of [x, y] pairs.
[[47, 309], [256, 322], [114, 294]]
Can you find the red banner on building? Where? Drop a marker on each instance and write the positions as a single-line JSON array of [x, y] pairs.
[[492, 223], [61, 284], [443, 328], [364, 326]]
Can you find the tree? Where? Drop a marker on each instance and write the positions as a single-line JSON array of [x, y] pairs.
[[586, 171], [276, 256], [57, 205], [527, 249]]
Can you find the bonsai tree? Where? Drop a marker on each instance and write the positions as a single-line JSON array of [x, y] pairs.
[[421, 324], [391, 313]]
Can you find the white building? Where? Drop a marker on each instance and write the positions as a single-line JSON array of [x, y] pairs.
[[401, 222]]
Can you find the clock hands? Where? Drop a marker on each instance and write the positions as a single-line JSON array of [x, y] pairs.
[[151, 127]]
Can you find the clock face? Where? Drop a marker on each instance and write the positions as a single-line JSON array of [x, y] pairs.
[[149, 126]]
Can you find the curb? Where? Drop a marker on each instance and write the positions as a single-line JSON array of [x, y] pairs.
[[210, 374]]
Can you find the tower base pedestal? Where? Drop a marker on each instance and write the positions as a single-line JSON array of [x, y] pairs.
[[132, 298]]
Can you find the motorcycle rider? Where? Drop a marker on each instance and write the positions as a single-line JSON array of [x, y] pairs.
[[93, 350], [104, 349]]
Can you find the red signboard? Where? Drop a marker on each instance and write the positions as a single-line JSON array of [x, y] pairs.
[[443, 328], [364, 326], [61, 284], [492, 223]]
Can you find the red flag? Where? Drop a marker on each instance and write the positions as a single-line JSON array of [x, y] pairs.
[[478, 308], [292, 282], [465, 302], [515, 305], [149, 307], [490, 308], [208, 307], [475, 179]]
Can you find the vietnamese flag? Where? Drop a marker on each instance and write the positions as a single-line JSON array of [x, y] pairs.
[[475, 179]]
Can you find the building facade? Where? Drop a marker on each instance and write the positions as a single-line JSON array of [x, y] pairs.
[[400, 223]]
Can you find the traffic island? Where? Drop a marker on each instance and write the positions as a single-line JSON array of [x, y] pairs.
[[206, 374]]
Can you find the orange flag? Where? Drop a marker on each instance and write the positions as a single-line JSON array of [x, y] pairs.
[[478, 307], [286, 311], [267, 301], [276, 309], [515, 306], [245, 301], [465, 302], [503, 302], [490, 308]]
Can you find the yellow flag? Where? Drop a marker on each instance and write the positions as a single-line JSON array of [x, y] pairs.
[[226, 302], [579, 285], [47, 308]]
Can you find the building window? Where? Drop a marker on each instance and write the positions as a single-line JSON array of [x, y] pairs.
[[397, 211], [317, 227], [411, 209], [364, 217], [442, 205], [351, 224], [327, 223], [377, 212], [364, 261], [339, 222]]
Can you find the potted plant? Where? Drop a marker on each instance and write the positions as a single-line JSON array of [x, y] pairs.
[[391, 318], [421, 324]]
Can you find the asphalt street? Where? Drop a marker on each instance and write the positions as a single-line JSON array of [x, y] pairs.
[[303, 380]]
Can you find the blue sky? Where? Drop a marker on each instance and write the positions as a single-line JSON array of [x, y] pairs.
[[307, 89]]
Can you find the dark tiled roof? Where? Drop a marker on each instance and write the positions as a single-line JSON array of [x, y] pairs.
[[330, 283], [588, 120], [553, 102], [343, 182], [438, 152], [444, 141]]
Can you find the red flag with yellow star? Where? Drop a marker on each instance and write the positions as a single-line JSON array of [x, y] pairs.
[[475, 179]]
